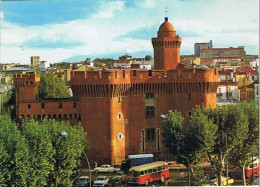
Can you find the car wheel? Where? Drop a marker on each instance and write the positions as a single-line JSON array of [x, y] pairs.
[[147, 182]]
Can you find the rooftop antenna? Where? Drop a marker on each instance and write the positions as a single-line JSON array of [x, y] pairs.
[[166, 11]]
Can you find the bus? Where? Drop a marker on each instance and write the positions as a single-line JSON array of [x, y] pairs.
[[136, 160], [147, 173], [253, 169]]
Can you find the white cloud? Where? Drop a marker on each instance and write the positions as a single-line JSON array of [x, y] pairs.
[[1, 15], [146, 4], [107, 9]]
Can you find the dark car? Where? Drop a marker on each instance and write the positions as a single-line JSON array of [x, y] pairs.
[[118, 178], [83, 181]]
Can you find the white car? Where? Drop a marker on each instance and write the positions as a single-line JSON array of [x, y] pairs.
[[105, 168], [101, 181]]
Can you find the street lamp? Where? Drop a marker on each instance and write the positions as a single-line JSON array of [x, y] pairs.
[[162, 116], [64, 134]]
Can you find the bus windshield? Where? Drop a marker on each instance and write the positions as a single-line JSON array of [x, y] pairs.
[[136, 174]]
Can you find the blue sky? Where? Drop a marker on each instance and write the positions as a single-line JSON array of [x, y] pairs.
[[59, 29]]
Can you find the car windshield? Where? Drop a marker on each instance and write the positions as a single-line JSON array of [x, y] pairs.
[[101, 178], [83, 179]]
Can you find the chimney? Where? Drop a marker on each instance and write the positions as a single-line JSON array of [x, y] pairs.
[[166, 18]]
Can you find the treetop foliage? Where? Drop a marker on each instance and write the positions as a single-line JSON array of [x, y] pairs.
[[36, 154], [52, 87]]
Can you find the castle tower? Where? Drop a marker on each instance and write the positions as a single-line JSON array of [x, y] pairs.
[[26, 88], [166, 47]]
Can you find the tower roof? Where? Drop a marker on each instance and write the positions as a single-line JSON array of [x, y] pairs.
[[166, 29]]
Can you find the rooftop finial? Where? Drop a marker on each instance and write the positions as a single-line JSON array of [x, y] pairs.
[[166, 11]]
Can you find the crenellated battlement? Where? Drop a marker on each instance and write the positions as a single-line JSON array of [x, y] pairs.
[[122, 83], [28, 79], [142, 76]]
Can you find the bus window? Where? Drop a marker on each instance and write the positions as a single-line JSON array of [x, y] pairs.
[[142, 173], [150, 170], [159, 168], [145, 171], [154, 170], [136, 174]]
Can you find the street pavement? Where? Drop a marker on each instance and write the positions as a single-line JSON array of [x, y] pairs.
[[175, 178]]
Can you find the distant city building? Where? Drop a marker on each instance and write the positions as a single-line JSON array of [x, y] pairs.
[[35, 61], [227, 88], [207, 55], [199, 46], [44, 64], [124, 64], [125, 57], [148, 65]]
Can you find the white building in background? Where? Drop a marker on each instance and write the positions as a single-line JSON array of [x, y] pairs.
[[124, 64], [254, 63], [44, 64], [228, 87]]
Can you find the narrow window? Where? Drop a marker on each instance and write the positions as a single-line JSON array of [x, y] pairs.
[[149, 95], [119, 116], [29, 106], [143, 137], [150, 73], [148, 134], [152, 134], [134, 73], [120, 136], [74, 104], [43, 105], [59, 117], [158, 141], [149, 112], [123, 73], [60, 105]]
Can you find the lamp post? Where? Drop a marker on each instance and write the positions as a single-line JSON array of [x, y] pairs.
[[64, 134]]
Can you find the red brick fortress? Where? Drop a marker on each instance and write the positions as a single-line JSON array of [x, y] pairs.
[[120, 109]]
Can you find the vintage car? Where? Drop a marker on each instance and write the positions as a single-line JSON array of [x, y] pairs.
[[101, 181], [105, 168], [83, 181]]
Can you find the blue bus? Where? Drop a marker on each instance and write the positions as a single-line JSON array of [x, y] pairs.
[[136, 160]]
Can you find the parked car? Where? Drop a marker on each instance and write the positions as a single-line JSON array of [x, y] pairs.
[[118, 178], [101, 181], [105, 168], [83, 181]]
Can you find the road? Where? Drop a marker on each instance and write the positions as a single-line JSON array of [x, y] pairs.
[[175, 178]]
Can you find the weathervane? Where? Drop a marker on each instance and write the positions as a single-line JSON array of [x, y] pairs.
[[166, 11]]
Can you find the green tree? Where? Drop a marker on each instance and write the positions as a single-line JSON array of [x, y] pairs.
[[36, 154], [68, 151], [52, 87], [241, 155], [41, 152], [14, 154], [232, 125], [148, 58], [189, 141]]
